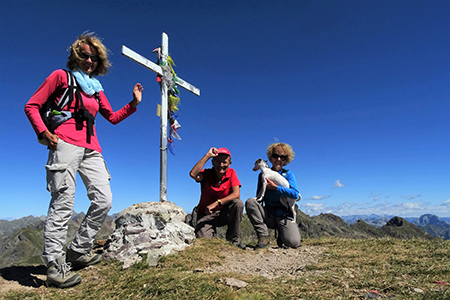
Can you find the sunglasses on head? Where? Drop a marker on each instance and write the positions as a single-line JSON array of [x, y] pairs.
[[85, 56], [276, 156]]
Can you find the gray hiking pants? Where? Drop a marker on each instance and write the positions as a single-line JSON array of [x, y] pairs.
[[262, 219], [62, 167], [230, 214]]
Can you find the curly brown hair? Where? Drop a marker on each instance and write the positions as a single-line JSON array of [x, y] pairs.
[[286, 149], [92, 40]]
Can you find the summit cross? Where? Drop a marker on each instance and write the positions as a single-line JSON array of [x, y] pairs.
[[164, 105]]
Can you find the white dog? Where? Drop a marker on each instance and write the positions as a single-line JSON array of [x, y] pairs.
[[278, 179]]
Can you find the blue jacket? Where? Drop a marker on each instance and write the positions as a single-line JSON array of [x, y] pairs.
[[272, 197]]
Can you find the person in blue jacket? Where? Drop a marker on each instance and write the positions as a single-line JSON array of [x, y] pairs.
[[271, 212]]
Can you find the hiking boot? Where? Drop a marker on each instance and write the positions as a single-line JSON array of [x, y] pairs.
[[59, 275], [239, 245], [279, 242], [263, 242], [80, 260]]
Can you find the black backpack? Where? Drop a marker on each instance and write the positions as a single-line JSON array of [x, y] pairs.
[[55, 116]]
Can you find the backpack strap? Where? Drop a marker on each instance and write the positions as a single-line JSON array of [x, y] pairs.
[[82, 114], [55, 116], [67, 96]]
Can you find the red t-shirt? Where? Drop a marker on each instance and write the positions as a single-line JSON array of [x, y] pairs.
[[212, 188]]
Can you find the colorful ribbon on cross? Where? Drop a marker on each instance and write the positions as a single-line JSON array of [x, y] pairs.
[[169, 79]]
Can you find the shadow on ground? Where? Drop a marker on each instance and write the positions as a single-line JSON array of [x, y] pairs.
[[25, 275]]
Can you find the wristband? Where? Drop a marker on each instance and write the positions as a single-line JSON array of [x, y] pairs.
[[220, 202]]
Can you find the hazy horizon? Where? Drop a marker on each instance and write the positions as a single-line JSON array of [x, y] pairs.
[[341, 216]]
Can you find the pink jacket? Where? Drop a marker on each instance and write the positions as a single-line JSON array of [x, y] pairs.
[[52, 88]]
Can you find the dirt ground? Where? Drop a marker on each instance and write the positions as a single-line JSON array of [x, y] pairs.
[[27, 278], [270, 263]]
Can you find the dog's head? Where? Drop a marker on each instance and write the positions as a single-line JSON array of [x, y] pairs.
[[259, 164]]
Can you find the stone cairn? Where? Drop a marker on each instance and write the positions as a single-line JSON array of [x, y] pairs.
[[152, 228]]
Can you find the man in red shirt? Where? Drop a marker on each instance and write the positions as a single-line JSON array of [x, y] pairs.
[[219, 204]]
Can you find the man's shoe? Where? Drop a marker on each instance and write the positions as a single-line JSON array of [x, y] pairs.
[[80, 260], [59, 275], [279, 242], [263, 242], [239, 245]]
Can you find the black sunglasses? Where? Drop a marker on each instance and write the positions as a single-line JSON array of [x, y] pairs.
[[276, 156], [85, 56]]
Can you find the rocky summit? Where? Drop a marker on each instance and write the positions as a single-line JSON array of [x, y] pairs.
[[154, 229]]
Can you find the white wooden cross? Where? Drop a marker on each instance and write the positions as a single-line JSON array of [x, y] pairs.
[[158, 70]]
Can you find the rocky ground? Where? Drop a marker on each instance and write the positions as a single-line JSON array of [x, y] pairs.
[[270, 263]]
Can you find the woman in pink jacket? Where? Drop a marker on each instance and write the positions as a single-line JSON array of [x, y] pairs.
[[74, 147]]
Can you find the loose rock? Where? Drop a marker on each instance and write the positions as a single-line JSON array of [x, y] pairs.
[[236, 283]]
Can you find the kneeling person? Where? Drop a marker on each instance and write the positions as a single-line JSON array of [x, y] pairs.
[[273, 213], [219, 204]]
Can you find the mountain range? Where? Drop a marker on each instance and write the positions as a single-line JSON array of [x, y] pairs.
[[432, 224], [21, 241]]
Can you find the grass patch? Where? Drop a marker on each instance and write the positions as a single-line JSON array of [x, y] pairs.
[[347, 269]]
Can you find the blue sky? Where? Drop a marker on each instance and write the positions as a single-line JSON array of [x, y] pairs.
[[360, 89]]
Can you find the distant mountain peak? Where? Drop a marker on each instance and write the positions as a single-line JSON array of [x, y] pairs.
[[396, 221], [430, 219]]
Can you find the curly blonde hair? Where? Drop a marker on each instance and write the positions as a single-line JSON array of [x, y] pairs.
[[290, 154], [92, 40]]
